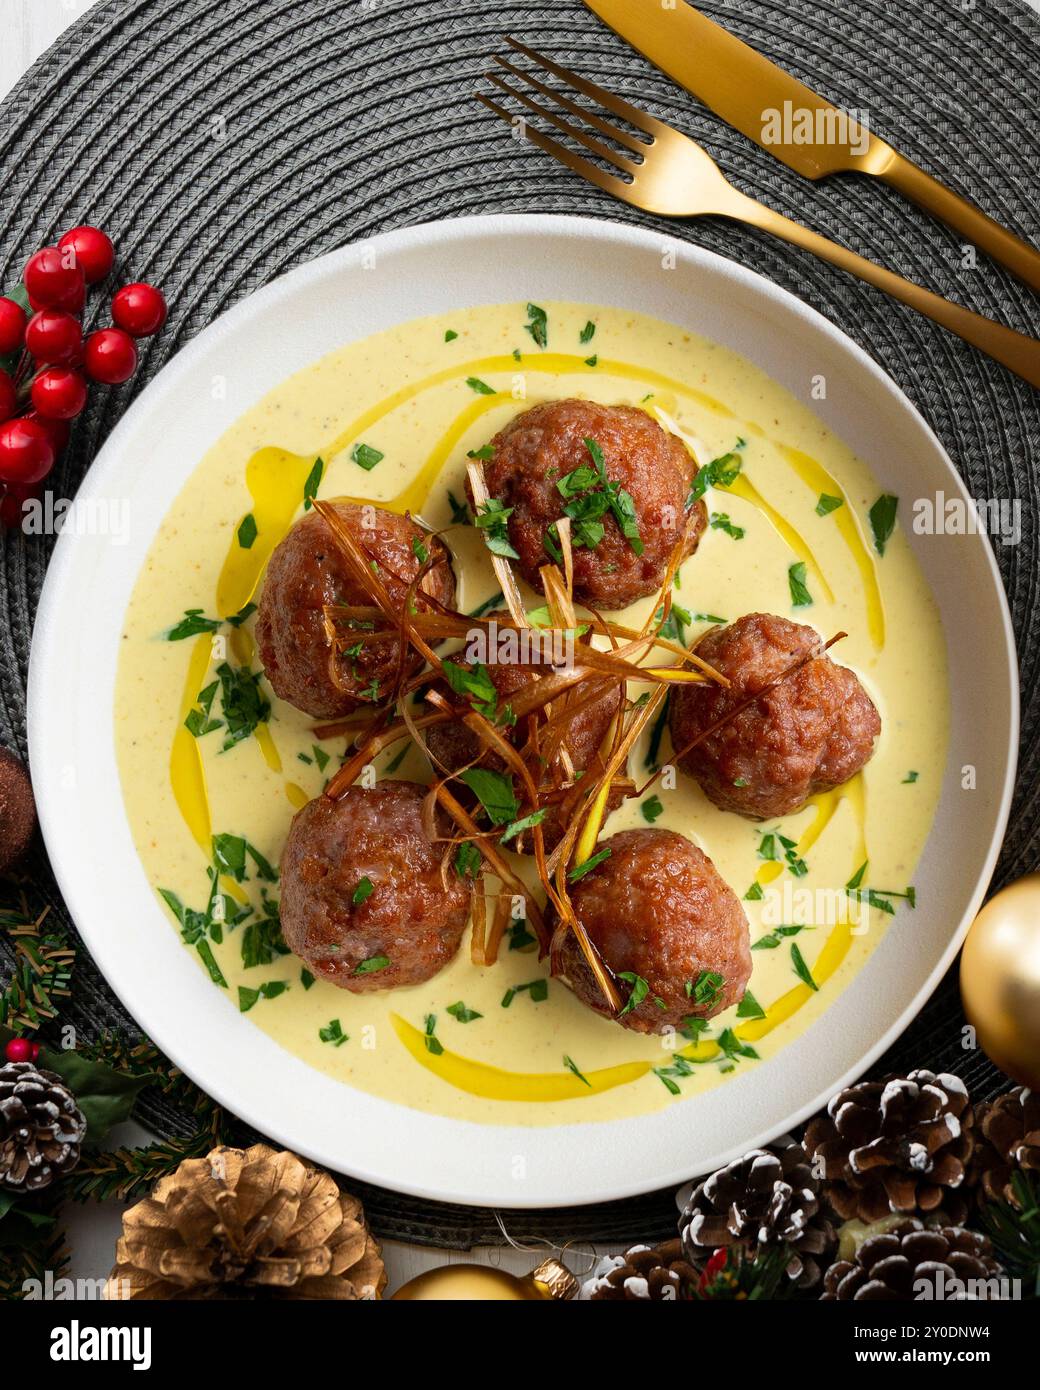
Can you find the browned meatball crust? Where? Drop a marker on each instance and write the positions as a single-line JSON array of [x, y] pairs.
[[658, 909], [454, 746], [409, 916], [812, 731], [546, 443], [306, 572]]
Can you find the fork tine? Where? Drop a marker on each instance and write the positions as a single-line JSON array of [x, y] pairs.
[[583, 113], [590, 142], [559, 152], [606, 99]]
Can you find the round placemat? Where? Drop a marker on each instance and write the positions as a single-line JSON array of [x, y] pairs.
[[222, 142]]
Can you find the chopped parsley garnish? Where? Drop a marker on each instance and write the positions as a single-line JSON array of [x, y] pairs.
[[320, 757], [450, 335], [720, 522], [674, 626], [877, 897], [732, 1048], [494, 791], [371, 965], [582, 869], [883, 520], [312, 483], [801, 969], [306, 978], [195, 623], [592, 361], [492, 518], [481, 387], [467, 859], [485, 453], [537, 325], [910, 778], [754, 893], [669, 1076], [519, 937], [362, 892], [651, 761], [475, 682], [262, 939], [432, 1045], [419, 550], [587, 333], [245, 705], [248, 997], [651, 809], [537, 989], [247, 532], [489, 604], [198, 722], [773, 939], [517, 827], [639, 991], [773, 845], [720, 472], [366, 457], [800, 595], [459, 510], [460, 1012], [828, 504], [622, 507], [749, 1007], [707, 989], [573, 1066], [398, 758], [333, 1033], [230, 855]]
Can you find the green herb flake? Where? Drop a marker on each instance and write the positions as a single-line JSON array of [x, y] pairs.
[[801, 969], [494, 791], [371, 965], [462, 1014], [883, 520], [640, 989], [720, 472], [828, 504], [720, 522], [429, 1038], [537, 325], [247, 532], [573, 1066], [587, 333], [306, 978], [517, 827], [450, 335], [467, 859], [800, 595], [910, 778], [580, 870], [754, 893], [312, 483], [651, 809], [481, 387], [333, 1033], [707, 989], [366, 457], [749, 1007], [362, 891]]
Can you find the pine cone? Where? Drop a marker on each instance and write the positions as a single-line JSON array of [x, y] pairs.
[[245, 1224], [890, 1264], [657, 1274], [900, 1145], [1007, 1138], [41, 1127], [769, 1197]]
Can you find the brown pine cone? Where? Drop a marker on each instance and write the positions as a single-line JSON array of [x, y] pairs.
[[891, 1264], [644, 1273], [769, 1197], [41, 1127], [895, 1146], [246, 1224], [1007, 1140]]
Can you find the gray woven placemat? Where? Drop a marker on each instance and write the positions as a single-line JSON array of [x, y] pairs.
[[222, 142]]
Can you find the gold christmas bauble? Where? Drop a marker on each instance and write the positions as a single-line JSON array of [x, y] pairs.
[[1000, 980], [551, 1280]]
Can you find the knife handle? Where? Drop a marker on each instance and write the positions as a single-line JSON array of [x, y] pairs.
[[1014, 350], [964, 217]]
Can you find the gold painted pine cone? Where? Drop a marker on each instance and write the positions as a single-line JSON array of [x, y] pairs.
[[1007, 1138], [956, 1264], [41, 1127], [243, 1224], [643, 1274], [896, 1146]]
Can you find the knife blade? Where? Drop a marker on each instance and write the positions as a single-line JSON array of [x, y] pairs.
[[787, 119]]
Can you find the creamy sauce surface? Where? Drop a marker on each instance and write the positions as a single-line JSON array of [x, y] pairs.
[[416, 395]]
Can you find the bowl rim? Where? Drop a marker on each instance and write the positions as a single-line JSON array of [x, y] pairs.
[[47, 653]]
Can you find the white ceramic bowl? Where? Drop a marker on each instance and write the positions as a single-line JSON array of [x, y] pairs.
[[357, 291]]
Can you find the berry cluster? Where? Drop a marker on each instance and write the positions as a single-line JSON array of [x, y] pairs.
[[46, 363], [22, 1050]]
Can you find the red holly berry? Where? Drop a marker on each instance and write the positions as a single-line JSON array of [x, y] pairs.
[[12, 326], [19, 1050], [94, 251], [54, 280], [140, 309], [8, 396], [26, 451], [59, 394], [54, 336], [110, 356]]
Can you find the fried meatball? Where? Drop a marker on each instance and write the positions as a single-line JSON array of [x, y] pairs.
[[658, 909], [454, 746], [306, 572], [810, 732], [362, 883], [653, 469]]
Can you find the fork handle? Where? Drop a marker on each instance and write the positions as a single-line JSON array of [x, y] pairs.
[[1019, 353]]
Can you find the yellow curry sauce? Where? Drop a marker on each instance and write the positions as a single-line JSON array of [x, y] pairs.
[[418, 395]]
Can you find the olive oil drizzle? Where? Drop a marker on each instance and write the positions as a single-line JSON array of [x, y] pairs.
[[275, 479]]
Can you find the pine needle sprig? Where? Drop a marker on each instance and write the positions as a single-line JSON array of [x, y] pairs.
[[143, 1058], [42, 972], [1014, 1229], [128, 1174]]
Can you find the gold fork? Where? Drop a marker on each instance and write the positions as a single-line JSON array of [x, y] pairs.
[[670, 174]]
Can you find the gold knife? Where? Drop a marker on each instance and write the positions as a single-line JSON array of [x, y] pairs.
[[787, 119]]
